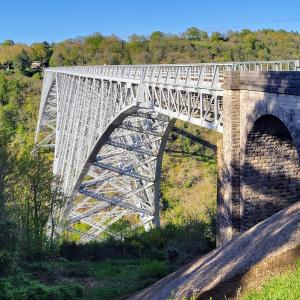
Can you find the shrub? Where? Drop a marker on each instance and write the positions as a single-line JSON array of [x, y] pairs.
[[172, 253], [6, 262], [155, 253], [69, 250], [104, 293], [34, 290], [71, 291], [153, 269], [77, 269]]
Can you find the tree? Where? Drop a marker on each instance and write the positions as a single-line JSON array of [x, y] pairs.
[[57, 201], [94, 41], [38, 202], [3, 89], [39, 52], [7, 167], [216, 36], [21, 61], [195, 34], [8, 43], [156, 35]]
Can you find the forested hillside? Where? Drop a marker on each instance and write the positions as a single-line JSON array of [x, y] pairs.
[[34, 266], [192, 46]]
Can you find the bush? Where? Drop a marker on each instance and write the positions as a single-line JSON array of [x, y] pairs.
[[71, 291], [6, 262], [155, 253], [92, 251], [190, 238], [77, 269], [172, 253], [104, 293], [153, 269], [69, 250], [34, 290]]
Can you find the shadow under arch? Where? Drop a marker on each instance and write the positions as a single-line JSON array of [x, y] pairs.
[[270, 173]]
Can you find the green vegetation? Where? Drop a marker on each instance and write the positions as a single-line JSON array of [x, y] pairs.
[[189, 176], [122, 277], [194, 45], [33, 266], [62, 279], [281, 287]]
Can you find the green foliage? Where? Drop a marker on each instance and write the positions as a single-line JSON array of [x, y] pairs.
[[282, 287], [193, 46], [3, 89], [25, 288], [41, 52], [153, 269], [195, 34], [49, 271], [27, 196], [94, 41], [46, 280], [21, 62], [123, 277], [6, 262], [8, 43], [170, 242]]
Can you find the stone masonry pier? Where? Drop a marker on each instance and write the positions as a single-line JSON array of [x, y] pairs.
[[258, 158]]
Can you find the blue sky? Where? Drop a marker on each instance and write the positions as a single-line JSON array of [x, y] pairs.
[[33, 21]]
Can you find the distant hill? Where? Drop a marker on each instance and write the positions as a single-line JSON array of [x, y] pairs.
[[192, 46]]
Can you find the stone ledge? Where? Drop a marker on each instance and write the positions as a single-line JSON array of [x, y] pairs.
[[272, 82]]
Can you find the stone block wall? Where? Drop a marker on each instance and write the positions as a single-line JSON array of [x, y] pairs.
[[270, 172], [259, 170]]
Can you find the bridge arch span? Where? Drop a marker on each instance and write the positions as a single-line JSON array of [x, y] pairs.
[[122, 172]]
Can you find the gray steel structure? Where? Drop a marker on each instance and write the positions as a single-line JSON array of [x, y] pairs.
[[109, 125]]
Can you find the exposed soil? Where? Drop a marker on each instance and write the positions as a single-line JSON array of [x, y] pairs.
[[255, 277]]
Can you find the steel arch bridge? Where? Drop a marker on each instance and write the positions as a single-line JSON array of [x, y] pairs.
[[109, 125]]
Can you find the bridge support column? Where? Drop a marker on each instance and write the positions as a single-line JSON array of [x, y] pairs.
[[259, 170], [229, 164]]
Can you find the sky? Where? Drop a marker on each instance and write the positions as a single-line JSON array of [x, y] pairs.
[[31, 21]]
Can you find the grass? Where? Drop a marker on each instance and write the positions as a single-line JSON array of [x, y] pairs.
[[22, 287], [116, 278], [281, 287], [63, 279]]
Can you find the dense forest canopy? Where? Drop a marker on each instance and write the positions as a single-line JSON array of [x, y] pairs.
[[192, 46]]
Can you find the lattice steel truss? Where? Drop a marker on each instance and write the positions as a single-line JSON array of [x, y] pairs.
[[109, 126]]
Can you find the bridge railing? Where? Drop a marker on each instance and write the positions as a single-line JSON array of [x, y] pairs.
[[194, 75]]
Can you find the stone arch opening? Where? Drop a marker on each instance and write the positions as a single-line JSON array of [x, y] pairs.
[[270, 173]]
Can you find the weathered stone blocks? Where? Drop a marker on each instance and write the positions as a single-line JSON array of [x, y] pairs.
[[259, 170]]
